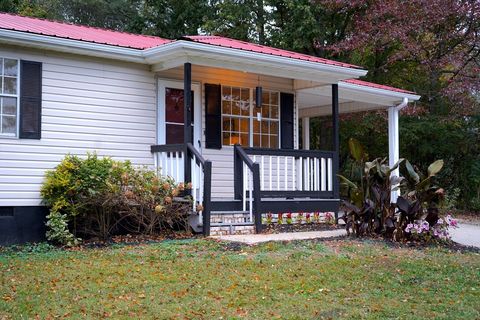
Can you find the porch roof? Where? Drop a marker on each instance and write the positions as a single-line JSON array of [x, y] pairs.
[[354, 96]]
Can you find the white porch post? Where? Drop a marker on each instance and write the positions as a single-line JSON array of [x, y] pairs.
[[306, 133], [393, 144]]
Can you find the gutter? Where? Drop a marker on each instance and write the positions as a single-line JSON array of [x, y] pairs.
[[402, 105], [389, 93]]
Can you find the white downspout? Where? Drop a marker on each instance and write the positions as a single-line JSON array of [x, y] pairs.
[[393, 140]]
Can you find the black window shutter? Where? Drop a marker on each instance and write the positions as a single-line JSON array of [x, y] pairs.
[[286, 119], [213, 116], [30, 100]]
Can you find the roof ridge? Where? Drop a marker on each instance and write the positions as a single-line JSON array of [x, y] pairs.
[[83, 26]]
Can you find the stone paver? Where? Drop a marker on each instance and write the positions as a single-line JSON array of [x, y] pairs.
[[466, 234], [288, 236]]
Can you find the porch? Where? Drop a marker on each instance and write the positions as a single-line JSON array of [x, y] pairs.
[[238, 175]]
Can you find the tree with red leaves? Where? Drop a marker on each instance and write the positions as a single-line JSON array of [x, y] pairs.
[[430, 46]]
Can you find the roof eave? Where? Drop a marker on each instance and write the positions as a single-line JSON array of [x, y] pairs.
[[388, 93], [71, 46], [191, 48]]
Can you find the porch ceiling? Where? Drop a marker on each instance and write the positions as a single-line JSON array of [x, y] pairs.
[[316, 101]]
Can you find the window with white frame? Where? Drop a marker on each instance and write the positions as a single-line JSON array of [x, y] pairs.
[[241, 120], [8, 96]]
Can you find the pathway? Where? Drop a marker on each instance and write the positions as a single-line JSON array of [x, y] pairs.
[[287, 236]]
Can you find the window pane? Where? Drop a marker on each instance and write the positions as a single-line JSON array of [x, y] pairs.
[[236, 94], [274, 98], [274, 112], [244, 125], [273, 127], [265, 141], [226, 124], [174, 105], [265, 97], [264, 127], [244, 139], [10, 67], [9, 106], [274, 141], [226, 107], [256, 140], [236, 108], [9, 124], [265, 111], [256, 126], [1, 67], [235, 125], [226, 93], [226, 138], [10, 85], [245, 108], [174, 133]]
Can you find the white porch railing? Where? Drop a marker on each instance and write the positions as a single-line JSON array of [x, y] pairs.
[[169, 160]]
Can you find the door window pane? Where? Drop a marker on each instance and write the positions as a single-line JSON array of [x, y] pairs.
[[174, 115], [174, 133]]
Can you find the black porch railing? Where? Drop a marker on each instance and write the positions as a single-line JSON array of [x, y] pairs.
[[185, 164], [247, 184]]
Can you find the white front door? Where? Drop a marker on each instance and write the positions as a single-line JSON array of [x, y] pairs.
[[171, 113]]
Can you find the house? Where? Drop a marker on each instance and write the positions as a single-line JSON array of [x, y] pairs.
[[221, 113]]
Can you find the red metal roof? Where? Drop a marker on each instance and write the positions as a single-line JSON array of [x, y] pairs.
[[376, 86], [247, 46], [78, 32]]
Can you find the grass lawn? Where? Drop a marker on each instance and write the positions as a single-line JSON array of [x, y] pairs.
[[204, 279]]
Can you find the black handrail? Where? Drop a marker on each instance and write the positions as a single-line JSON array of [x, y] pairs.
[[190, 152], [240, 157], [167, 148], [198, 156]]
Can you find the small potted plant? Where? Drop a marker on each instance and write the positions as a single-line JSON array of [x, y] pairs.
[[280, 218], [300, 218], [316, 217], [289, 218], [329, 218], [308, 218], [269, 218]]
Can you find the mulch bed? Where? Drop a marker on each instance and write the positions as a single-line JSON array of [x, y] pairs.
[[129, 239], [295, 227]]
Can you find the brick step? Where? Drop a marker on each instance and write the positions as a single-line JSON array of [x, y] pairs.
[[219, 230]]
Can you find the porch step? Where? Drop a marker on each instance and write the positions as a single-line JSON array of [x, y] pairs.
[[230, 222]]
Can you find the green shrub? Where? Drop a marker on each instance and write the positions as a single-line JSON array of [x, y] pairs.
[[96, 197]]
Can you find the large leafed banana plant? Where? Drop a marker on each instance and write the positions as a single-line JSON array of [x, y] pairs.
[[368, 209]]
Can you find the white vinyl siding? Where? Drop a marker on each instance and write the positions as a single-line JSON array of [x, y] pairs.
[[88, 104], [222, 160]]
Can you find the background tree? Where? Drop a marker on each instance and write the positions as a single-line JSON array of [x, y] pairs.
[[430, 46]]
